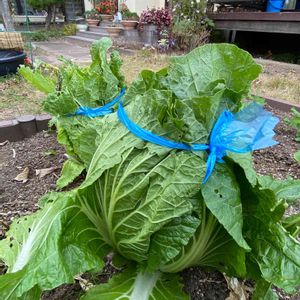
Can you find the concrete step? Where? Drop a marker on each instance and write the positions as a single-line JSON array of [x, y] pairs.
[[105, 23], [98, 29], [79, 40], [92, 35]]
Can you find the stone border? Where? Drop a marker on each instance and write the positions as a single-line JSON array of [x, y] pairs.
[[28, 125], [23, 127]]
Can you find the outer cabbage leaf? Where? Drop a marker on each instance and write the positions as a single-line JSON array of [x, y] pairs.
[[263, 291], [222, 197], [192, 73], [70, 171], [287, 189], [37, 79], [91, 86], [141, 194], [134, 285], [274, 250], [50, 247], [292, 224], [8, 284], [168, 241], [210, 246]]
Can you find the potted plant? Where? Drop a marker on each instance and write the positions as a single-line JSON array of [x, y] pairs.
[[107, 9], [129, 19], [152, 21], [113, 30], [93, 17]]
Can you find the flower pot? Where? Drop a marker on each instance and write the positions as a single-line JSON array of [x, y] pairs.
[[81, 27], [106, 17], [129, 24], [92, 22], [114, 31], [149, 34]]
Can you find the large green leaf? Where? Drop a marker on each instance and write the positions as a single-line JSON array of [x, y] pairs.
[[190, 74], [287, 189], [222, 196], [277, 254], [37, 79], [292, 224], [141, 194], [134, 285], [263, 291], [70, 171], [91, 86], [50, 247], [245, 161], [274, 250], [168, 241], [210, 246]]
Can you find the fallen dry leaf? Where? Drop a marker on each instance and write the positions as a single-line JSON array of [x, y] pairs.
[[237, 289], [23, 176], [44, 172], [84, 284]]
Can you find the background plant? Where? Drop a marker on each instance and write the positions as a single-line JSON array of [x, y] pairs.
[[128, 15], [93, 14], [295, 122], [157, 16], [48, 5], [51, 33], [190, 26], [106, 7]]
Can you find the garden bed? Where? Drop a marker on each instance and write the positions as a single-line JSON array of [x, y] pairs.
[[42, 151]]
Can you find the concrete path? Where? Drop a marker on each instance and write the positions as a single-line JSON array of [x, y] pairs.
[[50, 51]]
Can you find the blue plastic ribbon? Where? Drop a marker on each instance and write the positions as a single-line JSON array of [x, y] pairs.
[[250, 129], [99, 111]]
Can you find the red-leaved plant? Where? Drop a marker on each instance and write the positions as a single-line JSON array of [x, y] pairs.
[[157, 16], [107, 7]]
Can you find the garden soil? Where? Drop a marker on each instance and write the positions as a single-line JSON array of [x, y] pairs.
[[42, 151]]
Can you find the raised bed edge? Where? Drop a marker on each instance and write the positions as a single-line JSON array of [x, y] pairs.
[[28, 125]]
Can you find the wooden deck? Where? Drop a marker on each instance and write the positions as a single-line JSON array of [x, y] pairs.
[[285, 22]]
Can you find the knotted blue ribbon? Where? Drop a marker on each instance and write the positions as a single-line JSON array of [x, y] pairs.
[[99, 111], [250, 129]]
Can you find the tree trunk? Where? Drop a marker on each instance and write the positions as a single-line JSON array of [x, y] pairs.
[[54, 15], [49, 17], [5, 12]]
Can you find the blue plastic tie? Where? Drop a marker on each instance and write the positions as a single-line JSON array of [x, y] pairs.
[[99, 111], [250, 129]]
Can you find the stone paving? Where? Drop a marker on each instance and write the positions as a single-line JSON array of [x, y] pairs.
[[50, 51]]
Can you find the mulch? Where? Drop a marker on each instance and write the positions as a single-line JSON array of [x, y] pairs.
[[43, 151]]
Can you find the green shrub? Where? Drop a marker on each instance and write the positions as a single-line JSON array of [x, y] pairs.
[[69, 29], [191, 27]]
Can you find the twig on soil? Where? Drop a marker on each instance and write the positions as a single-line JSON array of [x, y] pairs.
[[14, 153], [4, 143]]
